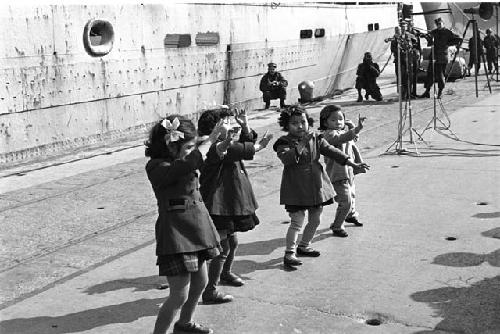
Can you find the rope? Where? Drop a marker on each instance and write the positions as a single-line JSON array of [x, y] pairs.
[[387, 62]]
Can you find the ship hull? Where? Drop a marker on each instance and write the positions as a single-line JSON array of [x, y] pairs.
[[56, 97]]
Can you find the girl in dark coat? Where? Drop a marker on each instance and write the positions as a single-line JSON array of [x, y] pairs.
[[227, 192], [305, 186], [185, 234]]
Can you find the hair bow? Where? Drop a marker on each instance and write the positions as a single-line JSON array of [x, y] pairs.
[[172, 134]]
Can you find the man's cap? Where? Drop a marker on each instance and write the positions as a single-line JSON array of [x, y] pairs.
[[271, 65], [438, 20]]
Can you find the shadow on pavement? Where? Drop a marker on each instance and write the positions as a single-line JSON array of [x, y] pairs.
[[464, 259], [493, 233], [488, 215], [85, 320], [245, 267], [470, 310], [266, 247], [138, 284]]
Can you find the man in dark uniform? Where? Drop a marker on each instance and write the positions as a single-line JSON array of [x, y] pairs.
[[473, 57], [367, 74], [273, 86], [394, 49], [441, 38], [491, 46]]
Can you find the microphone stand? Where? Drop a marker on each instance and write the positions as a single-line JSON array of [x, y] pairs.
[[401, 42]]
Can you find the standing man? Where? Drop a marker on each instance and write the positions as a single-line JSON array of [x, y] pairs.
[[273, 86], [441, 38], [394, 49], [475, 59], [491, 44]]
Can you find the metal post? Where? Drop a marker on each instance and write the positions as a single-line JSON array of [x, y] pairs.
[[399, 146], [476, 56], [496, 49], [408, 96], [433, 64], [227, 82]]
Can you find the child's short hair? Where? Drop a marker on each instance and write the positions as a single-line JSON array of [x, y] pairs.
[[156, 146], [292, 110], [325, 113], [209, 119]]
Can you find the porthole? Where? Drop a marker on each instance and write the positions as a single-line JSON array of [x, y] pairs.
[[370, 27], [319, 32], [376, 26], [98, 37]]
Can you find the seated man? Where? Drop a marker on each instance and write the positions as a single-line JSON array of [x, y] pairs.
[[273, 86], [367, 74]]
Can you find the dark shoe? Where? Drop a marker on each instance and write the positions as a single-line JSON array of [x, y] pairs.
[[291, 261], [340, 233], [425, 95], [215, 297], [191, 327], [440, 92], [354, 220], [307, 251], [360, 98], [231, 279]]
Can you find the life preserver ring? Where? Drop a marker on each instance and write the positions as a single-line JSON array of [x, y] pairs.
[[98, 37]]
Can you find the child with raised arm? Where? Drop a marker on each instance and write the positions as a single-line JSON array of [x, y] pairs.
[[185, 234], [227, 191], [305, 186], [341, 134]]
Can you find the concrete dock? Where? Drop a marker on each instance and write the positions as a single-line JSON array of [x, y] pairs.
[[78, 236]]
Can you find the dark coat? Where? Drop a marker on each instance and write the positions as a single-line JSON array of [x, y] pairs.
[[442, 39], [367, 74], [491, 44], [183, 224], [225, 186], [265, 82], [304, 182], [472, 47]]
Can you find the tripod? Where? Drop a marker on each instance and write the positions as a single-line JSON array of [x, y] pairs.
[[475, 38], [437, 100], [406, 95]]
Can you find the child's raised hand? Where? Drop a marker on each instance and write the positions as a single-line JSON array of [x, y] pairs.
[[361, 120], [241, 117], [217, 131], [304, 141], [349, 124], [361, 167]]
